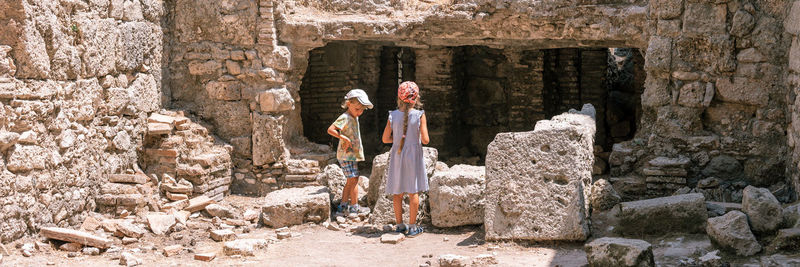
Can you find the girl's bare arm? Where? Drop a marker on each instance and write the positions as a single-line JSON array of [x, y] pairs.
[[423, 130], [387, 133]]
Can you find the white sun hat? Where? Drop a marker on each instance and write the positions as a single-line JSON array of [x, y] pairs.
[[360, 95]]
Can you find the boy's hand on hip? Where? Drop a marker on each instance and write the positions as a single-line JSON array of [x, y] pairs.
[[346, 143]]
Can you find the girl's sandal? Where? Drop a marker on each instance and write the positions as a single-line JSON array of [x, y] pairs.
[[414, 231]]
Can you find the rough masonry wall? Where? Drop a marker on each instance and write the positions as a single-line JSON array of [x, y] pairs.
[[714, 94], [77, 81], [792, 27], [226, 67]]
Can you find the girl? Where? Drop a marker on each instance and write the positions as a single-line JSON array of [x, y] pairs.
[[347, 129], [407, 130]]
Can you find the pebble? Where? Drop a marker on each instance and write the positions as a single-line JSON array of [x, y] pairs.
[[490, 248], [51, 263], [72, 254], [445, 239]]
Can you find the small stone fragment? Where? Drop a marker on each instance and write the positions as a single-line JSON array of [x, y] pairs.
[[91, 251], [172, 250], [209, 256], [127, 259], [223, 235], [451, 260], [392, 238]]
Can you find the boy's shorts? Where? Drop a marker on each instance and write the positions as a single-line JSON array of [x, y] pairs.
[[350, 168]]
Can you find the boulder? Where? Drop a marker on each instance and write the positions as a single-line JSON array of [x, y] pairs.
[[786, 240], [612, 251], [731, 231], [762, 208], [333, 177], [383, 209], [294, 206], [681, 213], [456, 196], [244, 247], [537, 182], [603, 195], [791, 215]]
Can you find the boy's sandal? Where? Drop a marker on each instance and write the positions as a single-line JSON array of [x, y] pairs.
[[414, 231], [401, 228]]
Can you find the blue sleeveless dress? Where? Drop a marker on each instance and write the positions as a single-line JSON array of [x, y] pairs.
[[406, 172]]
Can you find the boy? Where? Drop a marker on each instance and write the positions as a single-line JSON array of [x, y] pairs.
[[346, 128]]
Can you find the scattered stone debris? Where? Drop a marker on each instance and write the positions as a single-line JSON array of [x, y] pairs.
[[172, 250], [223, 235], [612, 251], [207, 256], [392, 238], [244, 247], [452, 260], [127, 259], [711, 259], [731, 231], [484, 259], [75, 236]]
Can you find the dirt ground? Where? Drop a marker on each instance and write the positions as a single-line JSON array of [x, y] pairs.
[[310, 245], [315, 245]]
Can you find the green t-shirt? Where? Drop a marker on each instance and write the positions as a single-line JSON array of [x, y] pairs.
[[348, 126]]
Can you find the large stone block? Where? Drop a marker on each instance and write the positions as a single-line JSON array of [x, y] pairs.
[[681, 213], [146, 93], [456, 196], [100, 46], [268, 143], [742, 90], [732, 232], [668, 9], [225, 90], [31, 54], [538, 182], [382, 209], [136, 43], [295, 206], [659, 54], [702, 19], [613, 251], [763, 210], [274, 100], [26, 158], [792, 22]]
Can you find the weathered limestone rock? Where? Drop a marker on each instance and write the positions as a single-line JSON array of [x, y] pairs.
[[739, 90], [680, 213], [791, 216], [383, 210], [762, 208], [537, 182], [603, 196], [268, 144], [222, 235], [392, 238], [334, 179], [160, 223], [612, 251], [731, 231], [787, 240], [452, 260], [275, 100], [456, 196], [294, 206], [244, 247], [224, 90], [792, 23], [216, 210]]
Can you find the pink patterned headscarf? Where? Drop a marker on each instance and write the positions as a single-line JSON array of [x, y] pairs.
[[408, 92]]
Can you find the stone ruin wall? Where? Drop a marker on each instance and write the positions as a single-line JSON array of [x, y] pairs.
[[792, 26], [77, 82], [238, 66]]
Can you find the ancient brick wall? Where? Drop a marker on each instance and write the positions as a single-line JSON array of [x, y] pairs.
[[77, 81]]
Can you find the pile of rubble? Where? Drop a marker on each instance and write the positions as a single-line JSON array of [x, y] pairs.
[[189, 161]]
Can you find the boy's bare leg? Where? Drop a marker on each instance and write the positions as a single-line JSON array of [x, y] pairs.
[[397, 200], [353, 182], [346, 192], [413, 203]]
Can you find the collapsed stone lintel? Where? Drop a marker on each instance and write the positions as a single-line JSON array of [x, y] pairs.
[[537, 182]]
